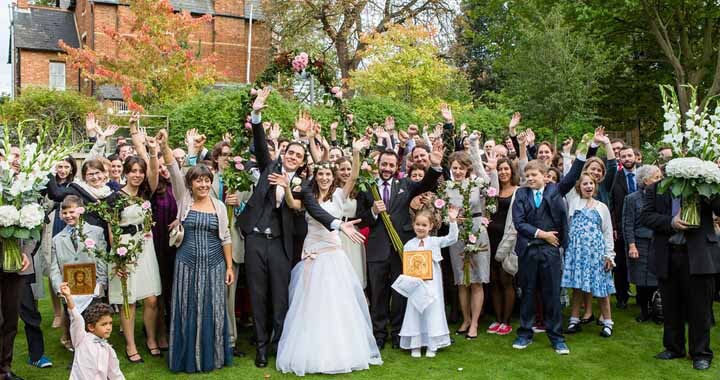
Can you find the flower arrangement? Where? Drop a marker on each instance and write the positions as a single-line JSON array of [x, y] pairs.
[[21, 181], [696, 144], [126, 248], [367, 181], [468, 233]]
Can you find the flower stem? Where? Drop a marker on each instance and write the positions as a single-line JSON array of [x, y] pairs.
[[12, 261]]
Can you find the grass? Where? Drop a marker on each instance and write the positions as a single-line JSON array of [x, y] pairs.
[[626, 355]]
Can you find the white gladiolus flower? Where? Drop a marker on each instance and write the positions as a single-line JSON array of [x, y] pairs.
[[9, 216]]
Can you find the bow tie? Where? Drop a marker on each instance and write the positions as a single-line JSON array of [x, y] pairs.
[[101, 341]]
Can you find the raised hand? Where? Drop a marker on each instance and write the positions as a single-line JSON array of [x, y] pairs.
[[334, 126], [438, 131], [278, 180], [474, 136], [260, 99], [453, 212], [350, 118], [275, 131], [600, 137], [491, 163], [91, 124], [303, 123], [446, 113], [530, 137], [567, 145], [522, 138], [381, 134], [103, 134], [161, 138], [360, 144], [514, 122], [390, 123], [437, 154], [403, 137], [151, 144], [412, 130], [134, 117]]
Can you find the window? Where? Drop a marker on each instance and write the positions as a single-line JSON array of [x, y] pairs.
[[57, 76]]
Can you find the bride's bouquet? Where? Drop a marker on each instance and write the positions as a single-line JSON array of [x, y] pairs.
[[24, 170], [468, 234], [696, 143]]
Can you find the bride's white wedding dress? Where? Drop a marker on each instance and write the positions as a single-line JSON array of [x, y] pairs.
[[328, 327]]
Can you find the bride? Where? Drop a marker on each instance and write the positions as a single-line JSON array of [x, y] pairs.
[[327, 327]]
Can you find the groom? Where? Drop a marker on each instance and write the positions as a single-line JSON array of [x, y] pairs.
[[383, 262], [268, 225]]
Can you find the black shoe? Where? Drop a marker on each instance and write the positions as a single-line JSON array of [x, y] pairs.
[[621, 305], [606, 331], [587, 320], [12, 376], [396, 342], [573, 327], [237, 353], [668, 355], [701, 364], [136, 361], [642, 318], [461, 332], [380, 343], [261, 360]]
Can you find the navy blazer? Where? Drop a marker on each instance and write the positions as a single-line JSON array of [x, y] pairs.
[[554, 196]]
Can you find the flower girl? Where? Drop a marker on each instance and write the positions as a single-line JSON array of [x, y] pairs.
[[425, 324]]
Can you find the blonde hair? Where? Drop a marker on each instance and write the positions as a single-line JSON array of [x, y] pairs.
[[578, 184]]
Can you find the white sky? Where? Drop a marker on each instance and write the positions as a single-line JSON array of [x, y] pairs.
[[5, 69]]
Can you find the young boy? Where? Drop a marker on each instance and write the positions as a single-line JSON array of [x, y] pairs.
[[68, 249], [94, 356], [540, 218]]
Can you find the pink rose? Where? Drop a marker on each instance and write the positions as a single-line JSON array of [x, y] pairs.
[[485, 221], [304, 58], [472, 239], [237, 159], [146, 205], [80, 210], [339, 94], [334, 90], [239, 166], [89, 243], [248, 126], [122, 251], [147, 236], [491, 192], [439, 203], [253, 92]]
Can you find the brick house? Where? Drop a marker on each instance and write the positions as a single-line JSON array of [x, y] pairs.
[[37, 59]]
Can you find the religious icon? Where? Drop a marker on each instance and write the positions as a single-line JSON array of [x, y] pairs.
[[418, 264], [80, 278]]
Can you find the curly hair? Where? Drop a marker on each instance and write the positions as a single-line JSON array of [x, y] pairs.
[[96, 311]]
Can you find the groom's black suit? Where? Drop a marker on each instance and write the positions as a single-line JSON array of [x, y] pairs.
[[269, 232], [383, 262]]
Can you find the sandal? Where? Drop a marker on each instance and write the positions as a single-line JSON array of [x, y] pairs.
[[129, 358], [587, 320], [154, 352], [606, 331]]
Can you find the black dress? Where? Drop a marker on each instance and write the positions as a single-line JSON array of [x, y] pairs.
[[496, 228]]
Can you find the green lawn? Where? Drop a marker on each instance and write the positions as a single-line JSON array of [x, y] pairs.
[[627, 355]]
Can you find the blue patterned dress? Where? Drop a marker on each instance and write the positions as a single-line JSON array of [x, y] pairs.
[[585, 255], [199, 335]]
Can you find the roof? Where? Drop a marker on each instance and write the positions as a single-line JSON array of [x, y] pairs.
[[109, 92], [42, 28], [257, 9]]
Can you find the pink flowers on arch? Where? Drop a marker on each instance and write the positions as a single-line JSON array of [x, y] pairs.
[[89, 243], [485, 221], [439, 203], [248, 125], [300, 62], [79, 211], [239, 166], [337, 92], [146, 205], [122, 251], [492, 192]]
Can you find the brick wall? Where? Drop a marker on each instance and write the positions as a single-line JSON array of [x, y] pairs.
[[35, 69], [229, 7]]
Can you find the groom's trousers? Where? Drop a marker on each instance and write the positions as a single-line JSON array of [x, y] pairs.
[[383, 299], [268, 277]]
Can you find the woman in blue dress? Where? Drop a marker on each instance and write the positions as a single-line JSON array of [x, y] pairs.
[[199, 330], [589, 256]]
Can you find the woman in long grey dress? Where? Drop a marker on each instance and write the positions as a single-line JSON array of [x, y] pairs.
[[199, 330], [639, 241]]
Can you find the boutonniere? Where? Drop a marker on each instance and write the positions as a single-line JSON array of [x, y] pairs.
[[401, 191], [295, 182]]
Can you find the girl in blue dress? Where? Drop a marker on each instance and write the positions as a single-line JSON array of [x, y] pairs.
[[589, 256]]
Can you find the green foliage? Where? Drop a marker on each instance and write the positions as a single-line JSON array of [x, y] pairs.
[[404, 65], [554, 74], [50, 107]]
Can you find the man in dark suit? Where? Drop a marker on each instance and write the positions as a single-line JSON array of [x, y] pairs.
[[625, 183], [383, 262], [540, 218], [269, 226], [686, 261]]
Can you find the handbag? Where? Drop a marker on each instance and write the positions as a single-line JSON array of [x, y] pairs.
[[510, 264], [177, 234]]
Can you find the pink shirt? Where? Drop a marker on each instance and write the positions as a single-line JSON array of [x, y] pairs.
[[95, 359]]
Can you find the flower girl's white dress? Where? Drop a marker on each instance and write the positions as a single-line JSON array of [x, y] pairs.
[[328, 327]]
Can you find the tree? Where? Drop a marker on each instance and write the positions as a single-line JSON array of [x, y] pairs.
[[404, 65], [341, 24], [554, 74], [155, 61]]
